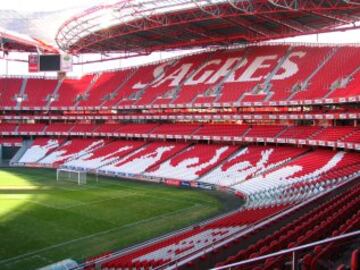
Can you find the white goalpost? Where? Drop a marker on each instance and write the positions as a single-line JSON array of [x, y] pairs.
[[63, 174]]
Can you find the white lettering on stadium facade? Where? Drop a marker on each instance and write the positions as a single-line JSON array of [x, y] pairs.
[[212, 71]]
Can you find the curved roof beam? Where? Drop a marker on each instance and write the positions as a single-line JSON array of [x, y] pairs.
[[351, 2], [242, 5], [341, 19], [286, 4], [150, 14], [208, 3]]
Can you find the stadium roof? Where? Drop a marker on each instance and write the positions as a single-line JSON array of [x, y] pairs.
[[11, 41], [138, 25], [143, 26]]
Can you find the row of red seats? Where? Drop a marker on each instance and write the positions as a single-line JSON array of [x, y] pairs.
[[10, 141], [317, 224], [240, 218], [339, 133]]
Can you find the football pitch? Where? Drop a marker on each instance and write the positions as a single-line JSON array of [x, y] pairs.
[[42, 221]]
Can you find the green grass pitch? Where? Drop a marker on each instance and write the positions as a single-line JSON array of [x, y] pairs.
[[42, 221]]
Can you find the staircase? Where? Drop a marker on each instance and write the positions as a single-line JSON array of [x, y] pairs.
[[308, 79], [281, 132], [142, 91], [85, 95], [181, 84], [342, 82], [25, 146], [21, 93], [347, 135], [315, 134], [117, 90], [54, 94], [267, 82], [276, 69], [246, 132], [223, 81]]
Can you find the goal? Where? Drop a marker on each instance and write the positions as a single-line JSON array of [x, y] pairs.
[[69, 175]]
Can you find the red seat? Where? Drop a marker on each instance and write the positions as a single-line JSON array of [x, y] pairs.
[[355, 258]]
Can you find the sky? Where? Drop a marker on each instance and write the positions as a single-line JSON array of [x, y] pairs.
[[48, 5], [24, 6]]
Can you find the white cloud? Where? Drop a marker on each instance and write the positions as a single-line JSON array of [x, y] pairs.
[[50, 5]]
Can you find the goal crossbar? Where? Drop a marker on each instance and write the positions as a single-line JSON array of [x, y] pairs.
[[63, 174]]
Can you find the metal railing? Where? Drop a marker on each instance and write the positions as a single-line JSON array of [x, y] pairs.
[[291, 251]]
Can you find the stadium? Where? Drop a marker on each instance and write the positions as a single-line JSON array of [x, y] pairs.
[[183, 134]]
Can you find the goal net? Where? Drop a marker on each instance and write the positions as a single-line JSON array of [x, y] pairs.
[[69, 175]]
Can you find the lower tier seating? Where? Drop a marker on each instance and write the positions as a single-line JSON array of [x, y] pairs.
[[70, 150], [270, 178], [108, 154], [334, 217], [144, 158], [193, 162], [162, 252], [249, 162], [262, 174], [306, 168], [39, 149]]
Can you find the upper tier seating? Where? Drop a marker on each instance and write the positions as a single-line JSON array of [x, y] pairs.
[[307, 59], [69, 91], [163, 91], [253, 74], [343, 63], [108, 82], [350, 90], [126, 95], [188, 91], [9, 89], [37, 92], [241, 83]]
